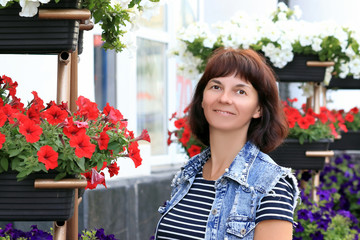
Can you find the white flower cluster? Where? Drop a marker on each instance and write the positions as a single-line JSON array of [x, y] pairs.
[[29, 8], [276, 39], [188, 63]]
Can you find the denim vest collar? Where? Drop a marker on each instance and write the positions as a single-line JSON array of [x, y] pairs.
[[238, 170]]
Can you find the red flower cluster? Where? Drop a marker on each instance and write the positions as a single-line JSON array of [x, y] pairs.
[[183, 135], [308, 125], [36, 137]]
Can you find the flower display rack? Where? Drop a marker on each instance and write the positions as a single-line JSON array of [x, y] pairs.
[[307, 156], [303, 68], [36, 35], [20, 201]]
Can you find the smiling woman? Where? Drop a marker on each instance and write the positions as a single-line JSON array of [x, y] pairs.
[[233, 189]]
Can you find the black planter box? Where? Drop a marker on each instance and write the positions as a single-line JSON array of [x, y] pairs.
[[349, 141], [297, 71], [30, 35], [20, 201], [346, 83], [292, 154]]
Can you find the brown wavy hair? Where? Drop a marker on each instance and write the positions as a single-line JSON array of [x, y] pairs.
[[266, 132]]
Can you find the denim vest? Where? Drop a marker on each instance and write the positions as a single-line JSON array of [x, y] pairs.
[[251, 176]]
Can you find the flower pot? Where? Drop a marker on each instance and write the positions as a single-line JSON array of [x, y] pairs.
[[346, 83], [297, 71], [349, 141], [31, 35], [20, 201], [293, 154]]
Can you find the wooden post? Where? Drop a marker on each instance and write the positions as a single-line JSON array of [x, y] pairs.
[[63, 77], [74, 81]]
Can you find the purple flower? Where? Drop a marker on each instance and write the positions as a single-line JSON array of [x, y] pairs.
[[338, 160], [317, 236], [315, 217], [304, 214], [333, 179], [323, 223], [324, 195], [297, 238], [344, 213], [299, 227]]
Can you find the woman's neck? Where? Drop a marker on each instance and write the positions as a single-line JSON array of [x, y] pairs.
[[224, 148]]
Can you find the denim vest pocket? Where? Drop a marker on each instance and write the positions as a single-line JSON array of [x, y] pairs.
[[239, 227]]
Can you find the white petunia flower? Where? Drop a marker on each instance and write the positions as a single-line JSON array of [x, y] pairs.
[[282, 6], [307, 90], [316, 44], [4, 2]]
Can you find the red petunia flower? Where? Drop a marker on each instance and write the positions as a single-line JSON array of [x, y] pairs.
[[9, 112], [193, 150], [103, 140], [33, 113], [94, 178], [3, 118], [30, 130], [48, 156], [143, 136], [38, 102], [113, 169], [349, 117], [2, 139], [303, 123], [114, 116], [185, 137], [71, 129], [354, 110], [83, 146], [10, 85], [180, 123], [134, 153], [55, 115], [87, 109]]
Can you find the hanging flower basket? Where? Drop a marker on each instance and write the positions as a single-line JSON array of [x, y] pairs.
[[346, 83], [293, 154], [349, 141], [31, 35], [298, 71], [20, 201]]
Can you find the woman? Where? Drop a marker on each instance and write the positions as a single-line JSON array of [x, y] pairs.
[[233, 189]]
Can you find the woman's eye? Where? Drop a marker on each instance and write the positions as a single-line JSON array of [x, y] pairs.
[[216, 87], [241, 92]]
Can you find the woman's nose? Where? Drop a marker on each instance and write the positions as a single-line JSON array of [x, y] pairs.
[[225, 98]]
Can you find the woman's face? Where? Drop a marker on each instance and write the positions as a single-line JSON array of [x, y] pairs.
[[229, 103]]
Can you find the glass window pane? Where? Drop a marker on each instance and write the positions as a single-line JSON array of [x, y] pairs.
[[151, 92]]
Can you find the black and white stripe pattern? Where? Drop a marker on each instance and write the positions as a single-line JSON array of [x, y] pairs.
[[279, 204], [187, 220]]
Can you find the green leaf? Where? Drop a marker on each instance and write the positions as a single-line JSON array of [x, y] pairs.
[[4, 163], [60, 176], [15, 152], [22, 174], [115, 146], [81, 164]]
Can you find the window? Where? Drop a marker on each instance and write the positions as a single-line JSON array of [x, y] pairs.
[[151, 92]]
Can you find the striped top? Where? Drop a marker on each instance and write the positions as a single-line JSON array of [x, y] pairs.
[[188, 219]]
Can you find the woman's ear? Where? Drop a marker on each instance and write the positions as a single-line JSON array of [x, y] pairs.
[[257, 114]]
